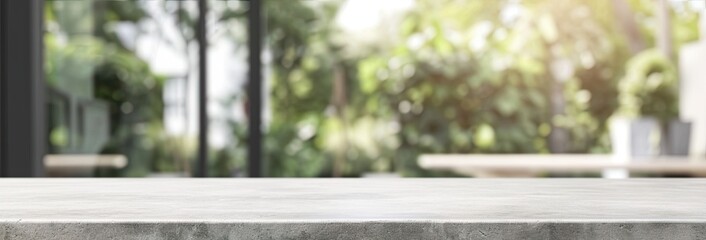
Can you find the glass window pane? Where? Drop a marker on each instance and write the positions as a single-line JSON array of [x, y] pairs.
[[359, 87], [122, 87], [227, 97]]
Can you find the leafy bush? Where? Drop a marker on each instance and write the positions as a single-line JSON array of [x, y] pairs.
[[650, 87]]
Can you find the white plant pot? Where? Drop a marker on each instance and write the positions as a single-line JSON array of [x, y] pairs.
[[635, 138]]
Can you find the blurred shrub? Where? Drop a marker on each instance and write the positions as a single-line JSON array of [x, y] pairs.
[[650, 87]]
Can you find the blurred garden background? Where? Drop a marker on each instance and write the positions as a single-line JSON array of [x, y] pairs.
[[356, 86]]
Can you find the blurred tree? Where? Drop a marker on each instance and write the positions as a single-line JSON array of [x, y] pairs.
[[532, 69]]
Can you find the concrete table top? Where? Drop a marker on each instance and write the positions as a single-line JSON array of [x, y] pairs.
[[352, 208]]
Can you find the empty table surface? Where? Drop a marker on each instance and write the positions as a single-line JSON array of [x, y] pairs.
[[533, 163], [350, 208]]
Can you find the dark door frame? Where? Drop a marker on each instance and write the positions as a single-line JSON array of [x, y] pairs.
[[255, 85], [22, 91]]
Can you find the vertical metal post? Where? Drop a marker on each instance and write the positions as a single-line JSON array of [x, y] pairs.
[[22, 122], [202, 164], [255, 89]]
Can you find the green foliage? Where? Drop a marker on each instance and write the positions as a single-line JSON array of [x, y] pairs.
[[452, 97], [478, 82], [650, 87], [301, 85]]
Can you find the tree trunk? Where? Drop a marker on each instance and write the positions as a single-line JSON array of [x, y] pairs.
[[559, 137], [338, 98]]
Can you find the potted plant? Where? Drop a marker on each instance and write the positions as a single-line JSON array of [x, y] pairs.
[[647, 121]]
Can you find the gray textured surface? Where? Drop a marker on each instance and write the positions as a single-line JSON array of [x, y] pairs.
[[352, 209]]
